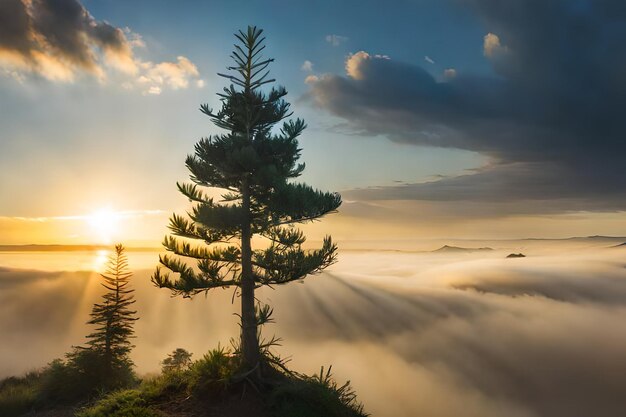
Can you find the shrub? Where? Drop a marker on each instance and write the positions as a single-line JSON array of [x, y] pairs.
[[125, 403], [82, 375], [212, 372], [319, 395], [19, 395]]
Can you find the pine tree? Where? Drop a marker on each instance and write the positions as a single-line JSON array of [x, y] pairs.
[[178, 360], [253, 164], [111, 340]]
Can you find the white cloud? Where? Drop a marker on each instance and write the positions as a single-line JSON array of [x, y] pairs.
[[492, 45], [154, 90], [336, 40], [307, 66], [154, 78], [175, 75], [428, 59], [134, 39], [310, 79], [354, 63]]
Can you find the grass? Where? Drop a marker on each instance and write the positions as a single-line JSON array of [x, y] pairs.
[[123, 403], [315, 396], [210, 386], [19, 395]]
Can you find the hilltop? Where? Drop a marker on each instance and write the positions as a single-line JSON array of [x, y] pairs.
[[209, 387], [447, 248]]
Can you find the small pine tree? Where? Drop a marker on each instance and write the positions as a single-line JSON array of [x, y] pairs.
[[178, 360], [253, 165], [114, 318]]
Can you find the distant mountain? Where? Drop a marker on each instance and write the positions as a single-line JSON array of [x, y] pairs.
[[621, 245], [516, 255], [447, 248], [583, 238]]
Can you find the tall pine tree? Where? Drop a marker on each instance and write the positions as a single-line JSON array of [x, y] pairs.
[[253, 164], [114, 318]]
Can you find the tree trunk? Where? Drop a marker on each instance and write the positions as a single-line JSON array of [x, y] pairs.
[[249, 339]]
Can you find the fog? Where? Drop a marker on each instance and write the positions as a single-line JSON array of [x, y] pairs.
[[417, 333]]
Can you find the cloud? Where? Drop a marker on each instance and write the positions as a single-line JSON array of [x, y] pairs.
[[311, 79], [307, 66], [449, 73], [60, 39], [522, 187], [336, 40], [356, 64], [549, 119], [444, 335], [491, 45], [505, 353], [428, 59], [175, 75]]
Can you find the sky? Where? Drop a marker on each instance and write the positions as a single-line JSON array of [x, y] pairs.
[[434, 119]]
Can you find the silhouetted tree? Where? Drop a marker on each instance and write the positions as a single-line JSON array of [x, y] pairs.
[[253, 165], [178, 360], [104, 364], [111, 340]]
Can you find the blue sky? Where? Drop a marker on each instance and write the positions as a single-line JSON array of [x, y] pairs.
[[433, 105]]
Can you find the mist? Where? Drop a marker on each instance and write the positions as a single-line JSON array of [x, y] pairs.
[[417, 333]]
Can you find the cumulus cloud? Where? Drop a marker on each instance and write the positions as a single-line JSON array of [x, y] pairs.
[[549, 120], [356, 64], [175, 75], [307, 66], [336, 40], [60, 39], [311, 79], [491, 45]]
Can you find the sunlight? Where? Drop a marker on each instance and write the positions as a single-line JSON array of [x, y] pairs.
[[100, 260], [104, 224]]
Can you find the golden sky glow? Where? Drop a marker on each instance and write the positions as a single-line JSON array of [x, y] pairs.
[[387, 225], [95, 132], [104, 224]]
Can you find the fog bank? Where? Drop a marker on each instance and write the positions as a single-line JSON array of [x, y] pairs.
[[469, 334]]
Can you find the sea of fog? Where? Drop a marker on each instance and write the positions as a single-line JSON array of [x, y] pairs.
[[444, 334]]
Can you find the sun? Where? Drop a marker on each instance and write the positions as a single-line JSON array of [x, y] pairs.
[[104, 224]]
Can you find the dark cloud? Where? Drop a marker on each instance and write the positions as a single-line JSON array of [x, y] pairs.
[[70, 30], [517, 188], [14, 27], [54, 38], [58, 39], [550, 118]]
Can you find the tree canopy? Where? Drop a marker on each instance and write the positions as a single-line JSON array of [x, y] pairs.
[[254, 164]]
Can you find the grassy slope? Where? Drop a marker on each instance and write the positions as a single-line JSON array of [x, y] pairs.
[[209, 387]]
